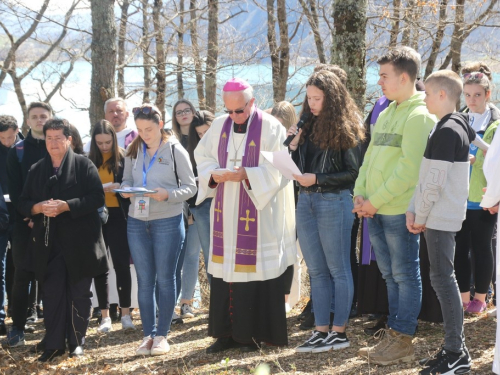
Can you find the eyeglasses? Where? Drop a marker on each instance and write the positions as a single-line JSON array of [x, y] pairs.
[[473, 76], [186, 111], [237, 111], [145, 110]]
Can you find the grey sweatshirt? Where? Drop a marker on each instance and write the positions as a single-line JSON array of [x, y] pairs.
[[162, 175], [440, 199]]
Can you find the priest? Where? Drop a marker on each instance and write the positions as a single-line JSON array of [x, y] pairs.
[[252, 224]]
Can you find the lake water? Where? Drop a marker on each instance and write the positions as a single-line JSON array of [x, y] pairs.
[[75, 95]]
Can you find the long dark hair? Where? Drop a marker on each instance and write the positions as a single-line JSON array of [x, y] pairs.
[[200, 118], [339, 124], [76, 140], [175, 125], [117, 153]]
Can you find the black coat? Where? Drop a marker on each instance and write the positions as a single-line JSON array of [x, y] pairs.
[[77, 232]]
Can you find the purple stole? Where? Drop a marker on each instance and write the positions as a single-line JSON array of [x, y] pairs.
[[246, 240]]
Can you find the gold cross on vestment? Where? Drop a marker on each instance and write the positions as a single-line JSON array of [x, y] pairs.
[[247, 219], [218, 210]]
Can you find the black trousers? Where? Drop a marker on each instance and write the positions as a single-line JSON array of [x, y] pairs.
[[476, 235], [66, 305], [115, 237], [23, 296]]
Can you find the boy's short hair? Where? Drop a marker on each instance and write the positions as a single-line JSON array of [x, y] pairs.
[[43, 105], [404, 60], [8, 122], [446, 80]]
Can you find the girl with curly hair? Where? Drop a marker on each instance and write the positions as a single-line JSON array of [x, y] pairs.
[[327, 152]]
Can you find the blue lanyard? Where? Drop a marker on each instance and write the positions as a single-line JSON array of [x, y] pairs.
[[151, 162]]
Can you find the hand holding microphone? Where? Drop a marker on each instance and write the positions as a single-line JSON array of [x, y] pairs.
[[294, 131]]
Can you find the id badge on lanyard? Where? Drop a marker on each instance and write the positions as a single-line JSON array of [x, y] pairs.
[[141, 204]]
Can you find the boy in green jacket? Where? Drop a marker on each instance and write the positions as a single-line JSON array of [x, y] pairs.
[[383, 190]]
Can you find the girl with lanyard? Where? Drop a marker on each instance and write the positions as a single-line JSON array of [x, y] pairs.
[[108, 157], [155, 161], [478, 228], [327, 153]]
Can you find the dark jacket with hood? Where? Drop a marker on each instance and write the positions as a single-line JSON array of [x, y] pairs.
[[4, 151], [77, 232], [440, 198], [17, 172]]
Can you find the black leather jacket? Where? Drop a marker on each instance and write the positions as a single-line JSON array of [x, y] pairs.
[[335, 170]]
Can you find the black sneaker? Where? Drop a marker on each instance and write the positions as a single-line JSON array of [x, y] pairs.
[[308, 323], [96, 313], [334, 340], [315, 340], [448, 363], [31, 316], [306, 311], [39, 312]]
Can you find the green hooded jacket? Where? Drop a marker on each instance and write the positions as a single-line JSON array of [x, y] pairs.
[[390, 169]]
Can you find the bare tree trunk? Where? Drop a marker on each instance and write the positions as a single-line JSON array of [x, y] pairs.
[[409, 12], [102, 86], [311, 12], [122, 32], [180, 51], [161, 77], [436, 44], [349, 45], [280, 55], [212, 54], [457, 38], [198, 64], [147, 61], [19, 93], [393, 41]]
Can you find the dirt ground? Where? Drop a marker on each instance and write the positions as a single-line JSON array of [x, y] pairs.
[[113, 353]]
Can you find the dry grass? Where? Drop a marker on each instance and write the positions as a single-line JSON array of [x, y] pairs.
[[114, 353]]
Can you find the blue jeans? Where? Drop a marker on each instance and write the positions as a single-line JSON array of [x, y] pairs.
[[155, 247], [191, 262], [397, 250], [324, 223], [201, 215]]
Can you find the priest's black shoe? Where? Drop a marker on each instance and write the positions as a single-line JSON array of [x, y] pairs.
[[307, 310], [75, 351], [49, 354], [248, 348], [222, 343], [39, 347]]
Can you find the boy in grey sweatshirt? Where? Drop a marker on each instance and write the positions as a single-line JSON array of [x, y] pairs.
[[438, 208]]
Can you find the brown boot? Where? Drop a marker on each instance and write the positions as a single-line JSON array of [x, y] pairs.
[[383, 338], [400, 349]]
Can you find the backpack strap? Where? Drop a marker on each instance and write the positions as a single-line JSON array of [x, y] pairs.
[[175, 166]]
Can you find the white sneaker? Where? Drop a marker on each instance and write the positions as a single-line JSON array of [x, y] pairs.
[[145, 347], [492, 313], [105, 325], [288, 308], [186, 311], [176, 319], [127, 324], [160, 345]]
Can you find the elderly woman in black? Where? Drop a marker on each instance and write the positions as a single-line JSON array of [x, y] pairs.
[[61, 195]]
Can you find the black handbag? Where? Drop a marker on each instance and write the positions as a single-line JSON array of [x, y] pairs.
[[103, 214]]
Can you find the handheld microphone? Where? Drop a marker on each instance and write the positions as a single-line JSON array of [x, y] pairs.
[[303, 119]]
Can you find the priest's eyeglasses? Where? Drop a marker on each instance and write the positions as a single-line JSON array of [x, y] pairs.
[[237, 111], [186, 111]]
